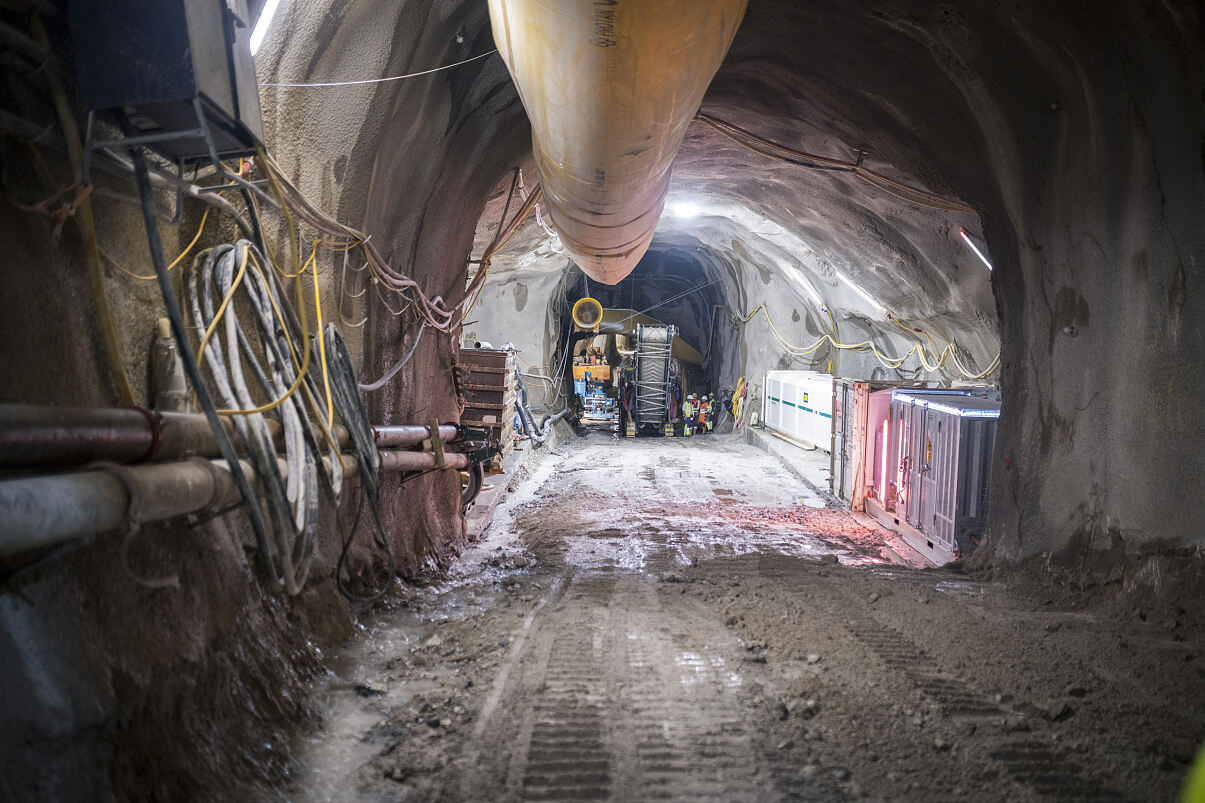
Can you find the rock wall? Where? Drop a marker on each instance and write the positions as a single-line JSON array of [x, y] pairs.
[[116, 691]]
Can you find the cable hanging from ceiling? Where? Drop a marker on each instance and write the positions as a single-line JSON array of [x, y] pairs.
[[783, 153]]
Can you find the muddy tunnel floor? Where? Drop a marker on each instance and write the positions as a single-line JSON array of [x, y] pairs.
[[686, 620]]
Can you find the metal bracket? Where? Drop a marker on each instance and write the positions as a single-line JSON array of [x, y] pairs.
[[91, 144], [437, 445]]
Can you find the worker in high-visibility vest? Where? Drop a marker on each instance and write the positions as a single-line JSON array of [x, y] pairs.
[[712, 411], [703, 409], [688, 415]]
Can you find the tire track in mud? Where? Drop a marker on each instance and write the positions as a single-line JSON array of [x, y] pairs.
[[1047, 772], [685, 731], [630, 692], [567, 756]]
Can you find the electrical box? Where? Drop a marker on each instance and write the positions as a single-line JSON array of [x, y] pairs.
[[942, 449], [163, 60]]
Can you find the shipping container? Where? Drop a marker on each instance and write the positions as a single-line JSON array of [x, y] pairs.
[[941, 453], [798, 405], [859, 451]]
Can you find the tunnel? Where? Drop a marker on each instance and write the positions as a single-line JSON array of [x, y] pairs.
[[353, 439]]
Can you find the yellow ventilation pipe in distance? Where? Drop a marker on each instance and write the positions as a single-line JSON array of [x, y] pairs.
[[610, 87], [587, 314]]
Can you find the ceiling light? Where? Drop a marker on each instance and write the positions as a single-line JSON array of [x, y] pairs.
[[262, 24], [807, 287], [684, 209], [963, 234], [878, 307]]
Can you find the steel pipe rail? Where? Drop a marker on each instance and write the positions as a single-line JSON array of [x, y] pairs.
[[34, 436], [411, 434], [420, 461], [46, 510], [41, 511]]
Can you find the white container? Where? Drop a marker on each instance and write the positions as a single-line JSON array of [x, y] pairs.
[[798, 405]]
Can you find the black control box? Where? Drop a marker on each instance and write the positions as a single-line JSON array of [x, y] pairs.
[[156, 59]]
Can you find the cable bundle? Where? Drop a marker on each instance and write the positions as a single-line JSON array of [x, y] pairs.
[[293, 502]]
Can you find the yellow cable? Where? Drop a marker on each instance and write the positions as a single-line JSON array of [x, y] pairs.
[[174, 262], [940, 356], [305, 362], [284, 207], [866, 345], [84, 219], [326, 380], [238, 279]]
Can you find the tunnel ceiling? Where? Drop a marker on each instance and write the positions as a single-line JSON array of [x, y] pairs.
[[796, 226]]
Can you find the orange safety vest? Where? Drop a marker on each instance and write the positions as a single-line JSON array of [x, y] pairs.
[[702, 413]]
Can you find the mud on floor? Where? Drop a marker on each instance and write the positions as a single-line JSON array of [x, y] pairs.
[[625, 632]]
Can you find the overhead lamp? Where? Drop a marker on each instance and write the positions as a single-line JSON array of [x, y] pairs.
[[684, 209], [866, 296], [963, 234], [262, 24]]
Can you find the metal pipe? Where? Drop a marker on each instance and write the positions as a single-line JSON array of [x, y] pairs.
[[41, 437], [42, 511], [420, 461], [411, 434]]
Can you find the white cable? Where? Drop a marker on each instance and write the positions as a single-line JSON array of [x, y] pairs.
[[390, 78]]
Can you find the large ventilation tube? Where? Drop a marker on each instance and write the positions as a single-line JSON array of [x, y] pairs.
[[610, 87]]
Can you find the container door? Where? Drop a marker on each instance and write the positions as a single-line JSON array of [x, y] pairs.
[[928, 461], [838, 477], [946, 478], [914, 465]]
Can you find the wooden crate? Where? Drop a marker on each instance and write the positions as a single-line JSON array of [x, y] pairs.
[[485, 396], [489, 392], [488, 359], [499, 420]]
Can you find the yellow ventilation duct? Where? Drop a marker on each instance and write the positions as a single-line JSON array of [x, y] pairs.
[[587, 313], [610, 87]]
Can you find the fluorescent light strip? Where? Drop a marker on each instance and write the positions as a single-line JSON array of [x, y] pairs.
[[807, 287], [963, 233], [262, 24], [945, 408], [860, 292]]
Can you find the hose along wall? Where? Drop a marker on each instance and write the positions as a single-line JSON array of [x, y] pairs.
[[538, 434]]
